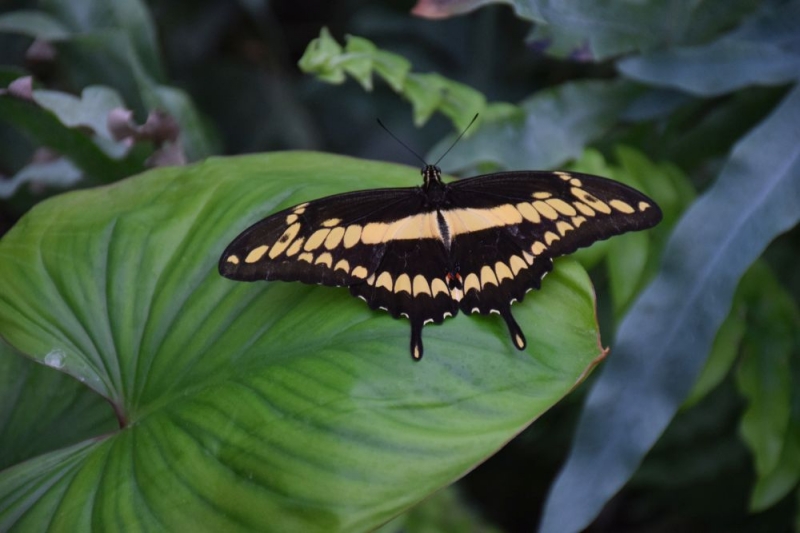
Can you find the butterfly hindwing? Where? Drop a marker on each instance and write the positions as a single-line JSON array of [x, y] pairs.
[[411, 281]]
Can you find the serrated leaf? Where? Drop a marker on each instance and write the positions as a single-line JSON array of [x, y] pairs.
[[255, 406], [427, 93], [668, 333]]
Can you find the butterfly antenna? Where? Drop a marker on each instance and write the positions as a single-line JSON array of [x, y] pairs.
[[404, 145], [457, 139]]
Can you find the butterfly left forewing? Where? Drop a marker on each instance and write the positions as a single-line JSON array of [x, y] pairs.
[[336, 240]]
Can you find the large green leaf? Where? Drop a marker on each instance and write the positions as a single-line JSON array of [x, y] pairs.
[[254, 406], [666, 336]]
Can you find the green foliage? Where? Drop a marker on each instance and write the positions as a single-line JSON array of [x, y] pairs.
[[233, 406], [170, 398], [428, 93]]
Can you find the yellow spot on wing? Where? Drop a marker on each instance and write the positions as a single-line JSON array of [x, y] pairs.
[[563, 227], [550, 238], [437, 286], [545, 210], [517, 264], [334, 238], [295, 247], [542, 195], [585, 209], [284, 241], [529, 212], [502, 271], [307, 257], [359, 272], [291, 219], [343, 264], [575, 182], [352, 235], [562, 207], [421, 285], [403, 283], [256, 254], [488, 277], [577, 221], [528, 257], [331, 222], [591, 200], [325, 259], [316, 239], [471, 282], [643, 206], [233, 259], [619, 205], [537, 248], [421, 226], [385, 281], [462, 221], [563, 175]]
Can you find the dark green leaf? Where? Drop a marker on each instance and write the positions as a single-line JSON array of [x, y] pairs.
[[42, 410], [256, 406], [668, 333]]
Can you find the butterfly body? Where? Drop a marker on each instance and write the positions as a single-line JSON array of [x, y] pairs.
[[424, 253]]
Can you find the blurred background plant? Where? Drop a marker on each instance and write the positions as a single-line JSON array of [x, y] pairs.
[[694, 423]]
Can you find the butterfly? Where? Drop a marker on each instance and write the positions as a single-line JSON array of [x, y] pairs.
[[476, 245]]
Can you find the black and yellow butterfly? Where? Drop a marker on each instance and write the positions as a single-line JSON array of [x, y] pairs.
[[423, 253]]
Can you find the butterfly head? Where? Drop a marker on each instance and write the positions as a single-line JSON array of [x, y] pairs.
[[431, 174]]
